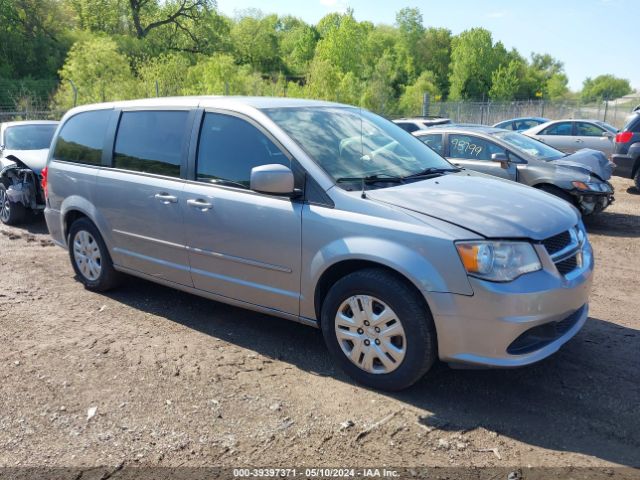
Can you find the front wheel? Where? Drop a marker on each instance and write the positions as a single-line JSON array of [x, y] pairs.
[[90, 257], [10, 213], [379, 329]]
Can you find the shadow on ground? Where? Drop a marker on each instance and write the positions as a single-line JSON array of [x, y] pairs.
[[613, 224], [584, 399]]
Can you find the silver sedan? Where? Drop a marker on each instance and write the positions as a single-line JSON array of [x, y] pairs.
[[570, 135]]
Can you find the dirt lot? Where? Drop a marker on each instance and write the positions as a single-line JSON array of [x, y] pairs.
[[179, 380]]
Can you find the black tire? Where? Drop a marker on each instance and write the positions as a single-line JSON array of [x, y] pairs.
[[558, 192], [411, 311], [10, 213], [108, 277]]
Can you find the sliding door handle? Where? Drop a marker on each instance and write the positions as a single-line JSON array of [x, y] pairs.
[[200, 204]]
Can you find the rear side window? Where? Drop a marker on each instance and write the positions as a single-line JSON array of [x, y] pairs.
[[563, 128], [408, 127], [82, 137], [584, 129], [434, 141], [230, 147], [151, 142]]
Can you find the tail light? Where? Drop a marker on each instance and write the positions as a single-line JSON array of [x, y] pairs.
[[43, 181], [624, 137]]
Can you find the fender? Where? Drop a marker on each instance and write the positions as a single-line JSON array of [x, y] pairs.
[[407, 261], [84, 206]]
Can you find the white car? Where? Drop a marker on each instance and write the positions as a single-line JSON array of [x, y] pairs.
[[572, 135], [420, 123], [24, 147]]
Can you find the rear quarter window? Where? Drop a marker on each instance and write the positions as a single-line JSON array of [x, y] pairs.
[[81, 138], [151, 141]]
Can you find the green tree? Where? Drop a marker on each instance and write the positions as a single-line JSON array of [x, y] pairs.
[[297, 44], [505, 82], [255, 42], [604, 87], [168, 70], [220, 75], [557, 86], [33, 38], [379, 94], [412, 97], [472, 64], [434, 55], [99, 72], [343, 44], [324, 80]]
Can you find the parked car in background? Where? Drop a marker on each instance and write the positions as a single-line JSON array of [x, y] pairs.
[[521, 124], [579, 178], [420, 123], [23, 153], [573, 135], [626, 153], [324, 214]]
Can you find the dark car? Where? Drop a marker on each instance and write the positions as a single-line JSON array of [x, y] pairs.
[[521, 124], [626, 153], [579, 178]]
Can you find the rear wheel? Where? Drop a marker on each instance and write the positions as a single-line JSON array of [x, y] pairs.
[[90, 257], [10, 213], [379, 329], [636, 179]]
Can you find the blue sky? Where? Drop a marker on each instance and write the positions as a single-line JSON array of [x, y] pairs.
[[591, 37]]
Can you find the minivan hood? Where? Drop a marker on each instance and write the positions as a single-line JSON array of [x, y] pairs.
[[488, 206], [587, 159], [34, 159]]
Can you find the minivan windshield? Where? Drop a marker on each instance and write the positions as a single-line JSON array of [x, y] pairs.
[[529, 145], [29, 137], [350, 144]]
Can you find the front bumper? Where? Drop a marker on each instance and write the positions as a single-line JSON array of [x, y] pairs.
[[516, 323], [624, 165]]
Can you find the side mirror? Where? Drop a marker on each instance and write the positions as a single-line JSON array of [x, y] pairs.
[[499, 157], [608, 134], [274, 179]]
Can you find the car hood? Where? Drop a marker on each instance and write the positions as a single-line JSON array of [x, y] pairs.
[[485, 205], [594, 161], [34, 159]]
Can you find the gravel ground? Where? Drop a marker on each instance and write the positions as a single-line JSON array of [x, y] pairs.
[[146, 375]]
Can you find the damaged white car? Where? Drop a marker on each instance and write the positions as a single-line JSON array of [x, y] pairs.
[[24, 147]]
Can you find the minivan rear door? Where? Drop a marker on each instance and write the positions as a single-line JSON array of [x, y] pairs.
[[140, 196], [242, 244]]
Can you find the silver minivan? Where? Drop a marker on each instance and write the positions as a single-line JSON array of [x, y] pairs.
[[324, 214]]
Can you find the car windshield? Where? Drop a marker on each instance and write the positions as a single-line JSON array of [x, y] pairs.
[[533, 147], [29, 137], [351, 143]]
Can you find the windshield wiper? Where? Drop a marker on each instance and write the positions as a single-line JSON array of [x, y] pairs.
[[432, 172], [369, 179]]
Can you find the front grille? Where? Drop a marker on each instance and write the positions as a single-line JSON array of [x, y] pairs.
[[568, 265], [564, 250], [557, 242]]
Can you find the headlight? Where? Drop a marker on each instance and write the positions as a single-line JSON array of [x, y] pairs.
[[498, 261], [591, 186]]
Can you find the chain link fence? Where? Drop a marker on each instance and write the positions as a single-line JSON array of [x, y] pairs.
[[489, 113]]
